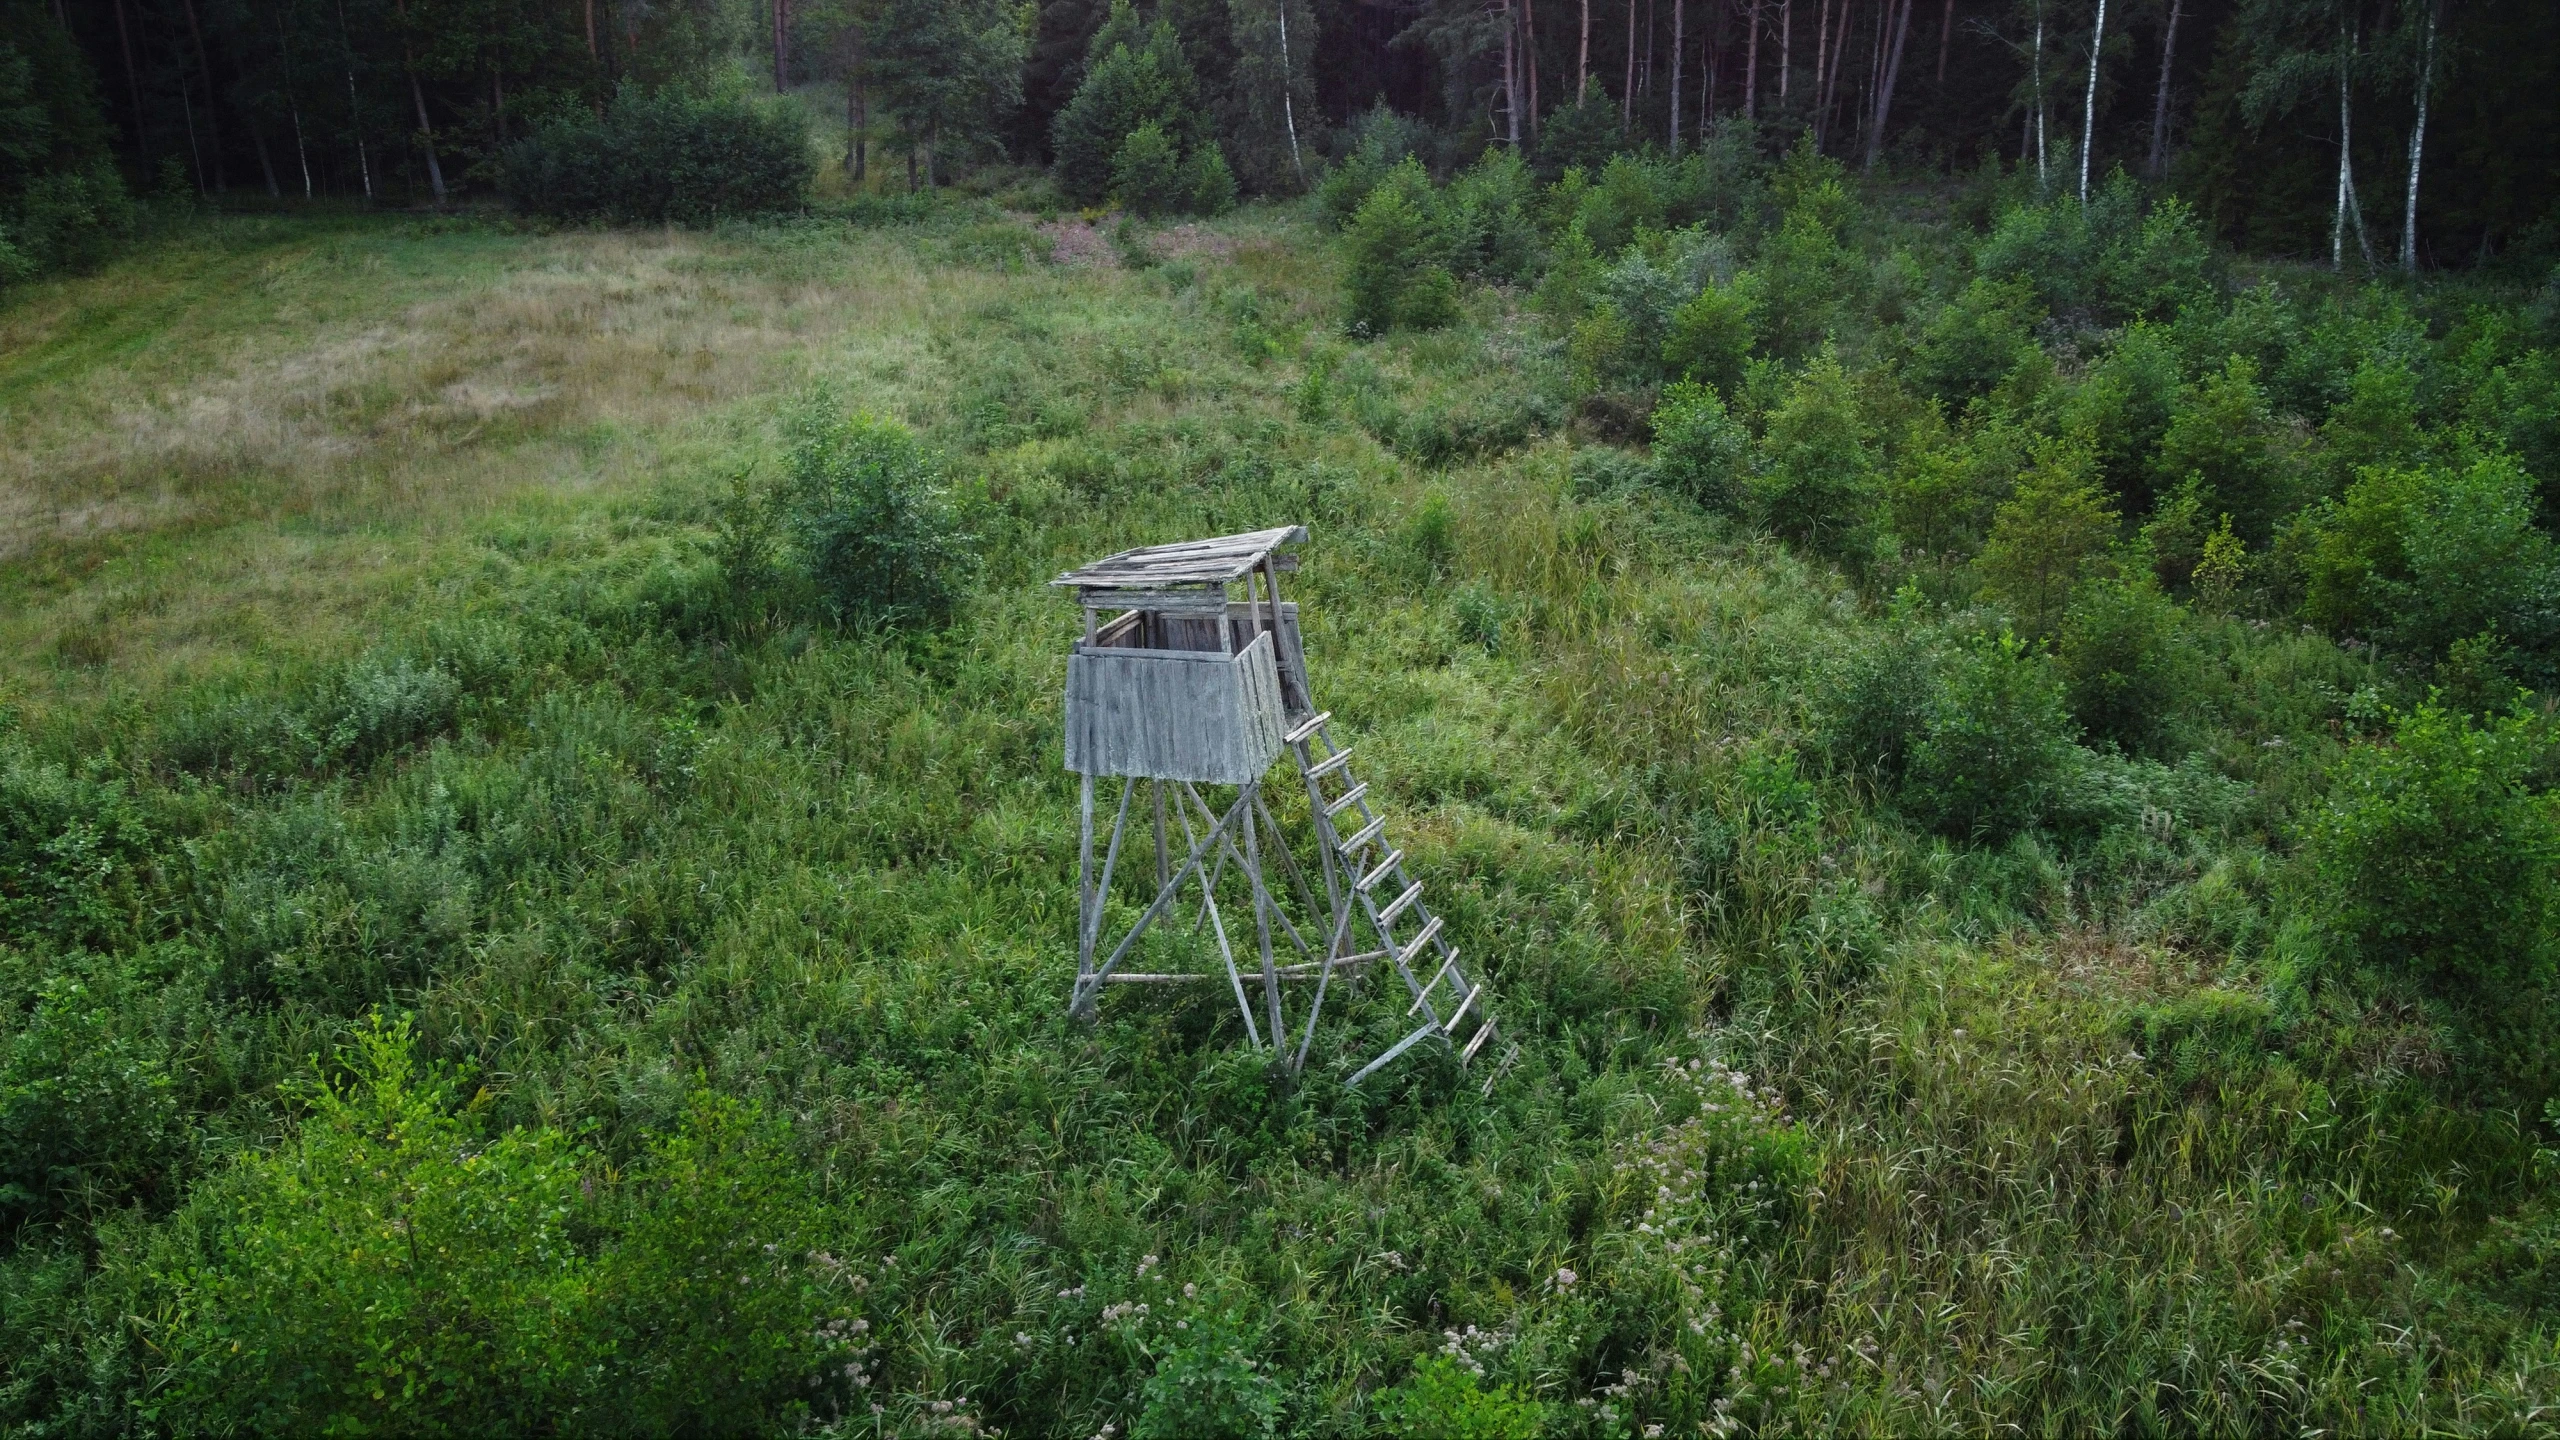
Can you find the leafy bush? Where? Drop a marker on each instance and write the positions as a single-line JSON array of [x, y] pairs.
[[2223, 436], [1711, 334], [90, 1111], [872, 527], [1443, 1399], [2437, 856], [1134, 78], [1147, 174], [659, 157], [1975, 340], [2420, 558], [1209, 1385], [1699, 450], [2128, 674], [2123, 405], [2052, 533], [73, 852], [1817, 485], [401, 1263], [1994, 750], [1393, 277]]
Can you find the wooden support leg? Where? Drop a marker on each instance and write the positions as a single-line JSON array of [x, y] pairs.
[[1218, 927], [1262, 908], [1084, 888]]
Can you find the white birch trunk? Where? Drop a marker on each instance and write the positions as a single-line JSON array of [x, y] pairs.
[[1289, 106], [2044, 183], [2089, 104], [2418, 144]]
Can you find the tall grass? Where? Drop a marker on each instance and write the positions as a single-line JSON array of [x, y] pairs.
[[1820, 1123]]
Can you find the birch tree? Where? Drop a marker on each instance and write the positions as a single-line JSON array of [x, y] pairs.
[[2301, 51], [2089, 103], [2433, 21]]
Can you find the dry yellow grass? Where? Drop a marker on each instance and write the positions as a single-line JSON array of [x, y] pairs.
[[256, 438]]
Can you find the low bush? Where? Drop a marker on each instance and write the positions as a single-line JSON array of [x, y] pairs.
[[872, 526], [661, 157], [1698, 449], [2436, 859]]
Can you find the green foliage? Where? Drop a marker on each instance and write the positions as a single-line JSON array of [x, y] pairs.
[[90, 1104], [946, 72], [871, 525], [663, 156], [2054, 532], [2437, 856], [62, 204], [1393, 277], [2419, 558], [1208, 1382], [1711, 333], [2123, 405], [1698, 449], [2129, 674], [1817, 483], [2222, 435], [1994, 749], [1128, 84], [402, 1264], [72, 851], [1975, 340], [1147, 173], [1443, 1398]]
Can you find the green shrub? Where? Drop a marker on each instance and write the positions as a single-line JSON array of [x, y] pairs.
[[1393, 276], [873, 529], [660, 157], [1133, 77], [2128, 674], [1699, 450], [2420, 558], [401, 1264], [1147, 173], [2156, 268], [1975, 340], [2222, 434], [1711, 334], [1994, 749], [1817, 484], [2436, 858], [74, 852], [90, 1112], [2052, 533], [2046, 248], [1443, 1399], [2123, 405], [1208, 1383]]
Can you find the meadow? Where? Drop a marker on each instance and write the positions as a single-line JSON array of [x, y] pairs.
[[480, 949]]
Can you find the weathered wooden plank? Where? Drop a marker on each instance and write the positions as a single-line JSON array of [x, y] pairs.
[[1173, 714], [1222, 557]]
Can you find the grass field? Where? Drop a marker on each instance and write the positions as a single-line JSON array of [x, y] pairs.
[[361, 585]]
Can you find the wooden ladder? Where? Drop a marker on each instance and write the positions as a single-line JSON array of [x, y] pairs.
[[1365, 874]]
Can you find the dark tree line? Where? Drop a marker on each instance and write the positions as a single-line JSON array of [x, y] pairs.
[[2389, 132]]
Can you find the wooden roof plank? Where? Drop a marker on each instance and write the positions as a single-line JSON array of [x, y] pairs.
[[1212, 561]]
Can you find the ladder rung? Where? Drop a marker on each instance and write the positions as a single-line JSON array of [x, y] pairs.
[[1329, 764], [1373, 1067], [1442, 974], [1429, 933], [1349, 798], [1307, 727], [1450, 1025], [1367, 833], [1482, 1035], [1400, 904], [1370, 881]]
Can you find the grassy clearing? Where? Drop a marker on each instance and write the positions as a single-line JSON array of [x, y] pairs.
[[368, 571]]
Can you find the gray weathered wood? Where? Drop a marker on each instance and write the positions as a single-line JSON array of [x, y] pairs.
[[1216, 560], [1174, 714]]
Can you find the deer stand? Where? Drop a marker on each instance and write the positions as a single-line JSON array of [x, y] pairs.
[[1186, 688]]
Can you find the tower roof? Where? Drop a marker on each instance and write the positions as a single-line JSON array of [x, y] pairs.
[[1190, 562]]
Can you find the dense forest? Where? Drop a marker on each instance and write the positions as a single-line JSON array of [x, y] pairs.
[[1959, 604], [2414, 133]]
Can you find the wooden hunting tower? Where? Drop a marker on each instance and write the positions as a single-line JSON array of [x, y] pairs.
[[1180, 684]]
